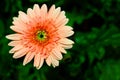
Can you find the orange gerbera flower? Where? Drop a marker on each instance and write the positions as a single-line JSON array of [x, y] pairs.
[[40, 34]]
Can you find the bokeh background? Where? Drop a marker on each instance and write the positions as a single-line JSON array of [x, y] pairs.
[[95, 54]]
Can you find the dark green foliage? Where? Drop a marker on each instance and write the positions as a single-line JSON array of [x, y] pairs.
[[95, 54]]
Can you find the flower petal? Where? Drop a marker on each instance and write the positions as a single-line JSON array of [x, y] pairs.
[[51, 60], [17, 29], [48, 60], [57, 54], [66, 41], [31, 13], [61, 49], [56, 13], [20, 53], [16, 48], [54, 62], [41, 62], [36, 9], [14, 43], [14, 36], [19, 23], [68, 28], [51, 10], [67, 46], [28, 57], [43, 11], [61, 17], [65, 33], [23, 17], [62, 22], [38, 61]]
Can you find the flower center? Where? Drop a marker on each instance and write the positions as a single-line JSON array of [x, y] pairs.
[[41, 35]]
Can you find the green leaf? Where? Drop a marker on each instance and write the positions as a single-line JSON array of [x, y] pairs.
[[91, 54], [110, 70], [101, 52], [1, 28], [82, 59], [91, 36], [106, 34], [81, 39], [117, 36], [74, 17]]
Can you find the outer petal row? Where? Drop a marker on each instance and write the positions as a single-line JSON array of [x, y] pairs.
[[14, 36], [51, 60], [38, 61], [65, 41]]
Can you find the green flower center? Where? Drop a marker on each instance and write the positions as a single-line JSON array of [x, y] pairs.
[[41, 35]]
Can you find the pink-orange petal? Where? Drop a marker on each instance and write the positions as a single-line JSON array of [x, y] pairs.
[[57, 54], [41, 63], [54, 61], [38, 61], [66, 46], [13, 43], [17, 29], [51, 10], [20, 53], [23, 17], [62, 22], [65, 33], [68, 28], [62, 50], [43, 11], [61, 17], [19, 23], [28, 57], [48, 60], [16, 48], [36, 9], [14, 36], [56, 13], [51, 60], [66, 41], [31, 14]]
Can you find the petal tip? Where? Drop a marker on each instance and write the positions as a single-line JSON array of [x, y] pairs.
[[24, 63], [15, 56]]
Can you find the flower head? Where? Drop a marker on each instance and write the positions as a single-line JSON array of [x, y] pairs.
[[41, 34]]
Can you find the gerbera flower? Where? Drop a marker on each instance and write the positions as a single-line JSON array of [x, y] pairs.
[[40, 35]]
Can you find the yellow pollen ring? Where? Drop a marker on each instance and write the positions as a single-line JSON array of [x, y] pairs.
[[41, 35]]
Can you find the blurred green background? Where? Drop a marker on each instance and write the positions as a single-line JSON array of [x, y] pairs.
[[95, 54]]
